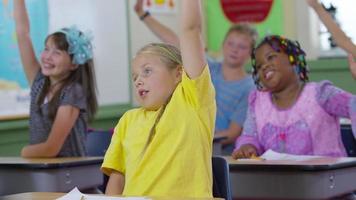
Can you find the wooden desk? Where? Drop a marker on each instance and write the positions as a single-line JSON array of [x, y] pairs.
[[319, 178], [49, 175], [51, 195]]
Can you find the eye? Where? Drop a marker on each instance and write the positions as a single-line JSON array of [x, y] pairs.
[[271, 57], [57, 52], [147, 71], [46, 49]]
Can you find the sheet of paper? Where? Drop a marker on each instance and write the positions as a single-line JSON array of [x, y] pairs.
[[272, 155], [75, 194]]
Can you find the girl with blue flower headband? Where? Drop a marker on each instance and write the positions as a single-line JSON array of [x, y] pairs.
[[63, 89]]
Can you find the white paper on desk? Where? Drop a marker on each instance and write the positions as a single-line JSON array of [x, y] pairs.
[[272, 155], [75, 194]]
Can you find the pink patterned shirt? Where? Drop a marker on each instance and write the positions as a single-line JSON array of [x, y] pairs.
[[309, 127]]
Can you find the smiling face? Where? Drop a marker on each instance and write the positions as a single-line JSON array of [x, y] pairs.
[[274, 69], [154, 82], [237, 48], [55, 63]]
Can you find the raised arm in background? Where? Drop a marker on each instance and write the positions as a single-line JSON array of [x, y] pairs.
[[161, 31], [27, 53], [339, 36]]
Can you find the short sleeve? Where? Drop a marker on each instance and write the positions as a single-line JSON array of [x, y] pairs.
[[74, 95], [249, 134], [114, 159], [200, 91]]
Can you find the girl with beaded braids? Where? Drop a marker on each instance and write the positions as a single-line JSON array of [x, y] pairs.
[[63, 89], [154, 147], [287, 114]]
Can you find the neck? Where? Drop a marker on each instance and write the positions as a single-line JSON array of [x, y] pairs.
[[233, 73], [288, 96]]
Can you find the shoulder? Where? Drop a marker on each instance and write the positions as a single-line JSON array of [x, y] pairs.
[[325, 89], [214, 65], [38, 80]]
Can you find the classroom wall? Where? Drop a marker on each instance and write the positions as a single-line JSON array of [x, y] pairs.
[[141, 35], [107, 19]]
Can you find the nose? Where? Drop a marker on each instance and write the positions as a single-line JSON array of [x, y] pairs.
[[138, 82]]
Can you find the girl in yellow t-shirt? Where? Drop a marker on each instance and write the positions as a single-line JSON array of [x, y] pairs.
[[164, 148]]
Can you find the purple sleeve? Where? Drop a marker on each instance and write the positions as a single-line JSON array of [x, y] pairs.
[[249, 133], [337, 102]]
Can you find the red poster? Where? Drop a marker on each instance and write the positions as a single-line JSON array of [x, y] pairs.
[[246, 10]]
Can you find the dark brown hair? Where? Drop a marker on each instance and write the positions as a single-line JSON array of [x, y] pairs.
[[83, 74]]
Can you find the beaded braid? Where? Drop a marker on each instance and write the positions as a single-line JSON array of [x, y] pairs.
[[295, 53]]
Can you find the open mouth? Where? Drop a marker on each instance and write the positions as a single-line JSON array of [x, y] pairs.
[[142, 93], [47, 66], [268, 75]]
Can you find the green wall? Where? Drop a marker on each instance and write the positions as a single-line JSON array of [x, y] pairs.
[[14, 133], [218, 24]]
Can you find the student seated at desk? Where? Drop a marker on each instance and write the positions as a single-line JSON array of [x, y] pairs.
[[287, 114], [62, 89], [232, 83], [152, 153]]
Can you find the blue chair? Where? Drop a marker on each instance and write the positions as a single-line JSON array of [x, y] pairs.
[[221, 178], [97, 143], [348, 139]]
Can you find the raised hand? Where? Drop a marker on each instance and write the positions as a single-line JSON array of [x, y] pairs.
[[139, 8]]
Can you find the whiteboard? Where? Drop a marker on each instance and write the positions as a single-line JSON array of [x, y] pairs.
[[108, 22]]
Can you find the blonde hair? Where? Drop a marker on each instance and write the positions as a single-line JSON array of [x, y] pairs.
[[171, 57], [246, 29]]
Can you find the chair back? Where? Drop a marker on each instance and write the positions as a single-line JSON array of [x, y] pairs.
[[348, 139], [97, 142], [221, 178]]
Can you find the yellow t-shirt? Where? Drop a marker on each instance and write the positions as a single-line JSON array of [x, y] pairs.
[[177, 163]]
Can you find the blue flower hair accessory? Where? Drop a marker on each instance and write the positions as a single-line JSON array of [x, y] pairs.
[[79, 44]]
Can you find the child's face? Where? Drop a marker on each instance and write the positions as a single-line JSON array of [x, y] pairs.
[[237, 48], [274, 69], [153, 81], [55, 63]]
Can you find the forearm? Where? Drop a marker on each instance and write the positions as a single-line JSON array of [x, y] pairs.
[[115, 184], [231, 134], [41, 150], [21, 17], [161, 31], [27, 54], [191, 43]]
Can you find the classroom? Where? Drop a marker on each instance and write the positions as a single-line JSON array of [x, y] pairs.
[[177, 99]]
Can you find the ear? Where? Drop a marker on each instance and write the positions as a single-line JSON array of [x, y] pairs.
[[178, 74]]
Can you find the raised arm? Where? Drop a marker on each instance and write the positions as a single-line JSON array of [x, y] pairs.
[[352, 65], [27, 53], [161, 31], [340, 37], [191, 42]]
